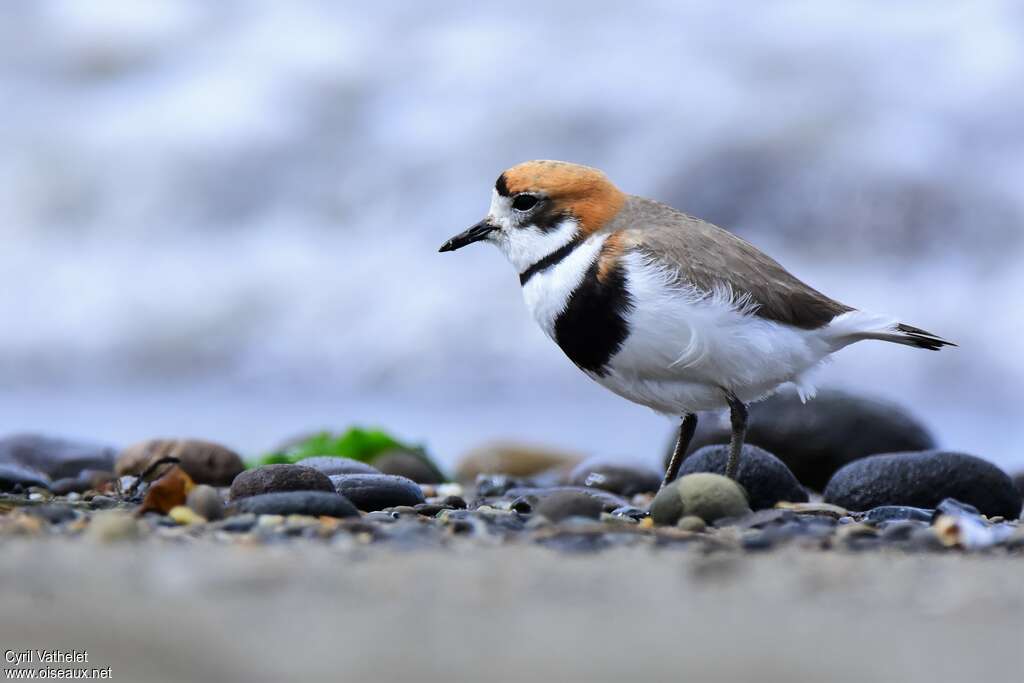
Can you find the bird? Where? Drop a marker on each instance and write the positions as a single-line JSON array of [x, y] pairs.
[[664, 309]]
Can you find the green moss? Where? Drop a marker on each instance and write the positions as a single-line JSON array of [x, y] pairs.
[[356, 443]]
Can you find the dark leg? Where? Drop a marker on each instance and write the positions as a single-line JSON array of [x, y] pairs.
[[738, 417], [686, 429]]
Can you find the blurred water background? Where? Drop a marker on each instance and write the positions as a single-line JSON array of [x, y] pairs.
[[221, 219]]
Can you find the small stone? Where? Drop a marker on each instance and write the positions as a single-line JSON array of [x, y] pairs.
[[610, 501], [512, 459], [185, 515], [820, 509], [310, 503], [370, 492], [278, 478], [456, 502], [409, 465], [704, 494], [890, 513], [563, 504], [331, 465], [900, 530], [856, 530], [238, 523], [923, 480], [204, 461], [52, 513], [113, 525], [14, 477], [269, 521], [766, 479], [691, 523], [55, 458], [102, 502], [621, 479], [206, 502]]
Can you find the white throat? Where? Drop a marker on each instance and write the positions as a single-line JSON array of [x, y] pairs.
[[524, 246]]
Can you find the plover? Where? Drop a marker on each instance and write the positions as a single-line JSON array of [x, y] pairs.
[[662, 308]]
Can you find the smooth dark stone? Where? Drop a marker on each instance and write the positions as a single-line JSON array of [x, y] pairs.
[[563, 504], [313, 503], [609, 500], [923, 480], [331, 465], [488, 485], [408, 465], [766, 479], [900, 530], [456, 502], [623, 480], [430, 509], [817, 438], [205, 501], [102, 502], [630, 512], [52, 513], [1018, 480], [56, 458], [238, 524], [759, 519], [15, 477], [370, 492], [277, 478], [889, 513]]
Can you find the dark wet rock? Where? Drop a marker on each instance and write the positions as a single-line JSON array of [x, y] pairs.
[[610, 501], [456, 502], [624, 480], [409, 465], [56, 458], [923, 480], [562, 504], [14, 477], [370, 492], [237, 524], [1018, 480], [629, 512], [278, 478], [204, 461], [760, 519], [514, 460], [313, 503], [206, 502], [708, 496], [766, 479], [889, 513], [429, 509], [54, 513], [817, 438], [331, 465], [102, 502], [901, 529]]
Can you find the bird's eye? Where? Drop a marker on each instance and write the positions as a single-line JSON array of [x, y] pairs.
[[524, 202]]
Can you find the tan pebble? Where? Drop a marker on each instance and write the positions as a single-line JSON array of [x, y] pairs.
[[270, 520], [646, 523], [185, 515], [691, 523], [113, 525], [824, 509], [947, 529], [855, 530]]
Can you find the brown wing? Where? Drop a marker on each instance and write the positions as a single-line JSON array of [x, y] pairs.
[[705, 256]]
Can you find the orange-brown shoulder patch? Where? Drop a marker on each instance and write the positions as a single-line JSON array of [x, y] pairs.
[[583, 190], [611, 253]]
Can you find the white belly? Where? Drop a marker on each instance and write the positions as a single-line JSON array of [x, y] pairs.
[[686, 348]]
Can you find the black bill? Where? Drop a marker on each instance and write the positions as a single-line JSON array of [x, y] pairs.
[[478, 232]]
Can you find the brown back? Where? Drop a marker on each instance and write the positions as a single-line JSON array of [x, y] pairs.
[[705, 255]]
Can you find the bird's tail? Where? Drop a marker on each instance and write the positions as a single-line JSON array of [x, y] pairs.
[[857, 325]]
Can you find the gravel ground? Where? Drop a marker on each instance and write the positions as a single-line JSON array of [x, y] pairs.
[[200, 611]]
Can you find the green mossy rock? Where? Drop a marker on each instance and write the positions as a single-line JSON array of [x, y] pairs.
[[705, 495]]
